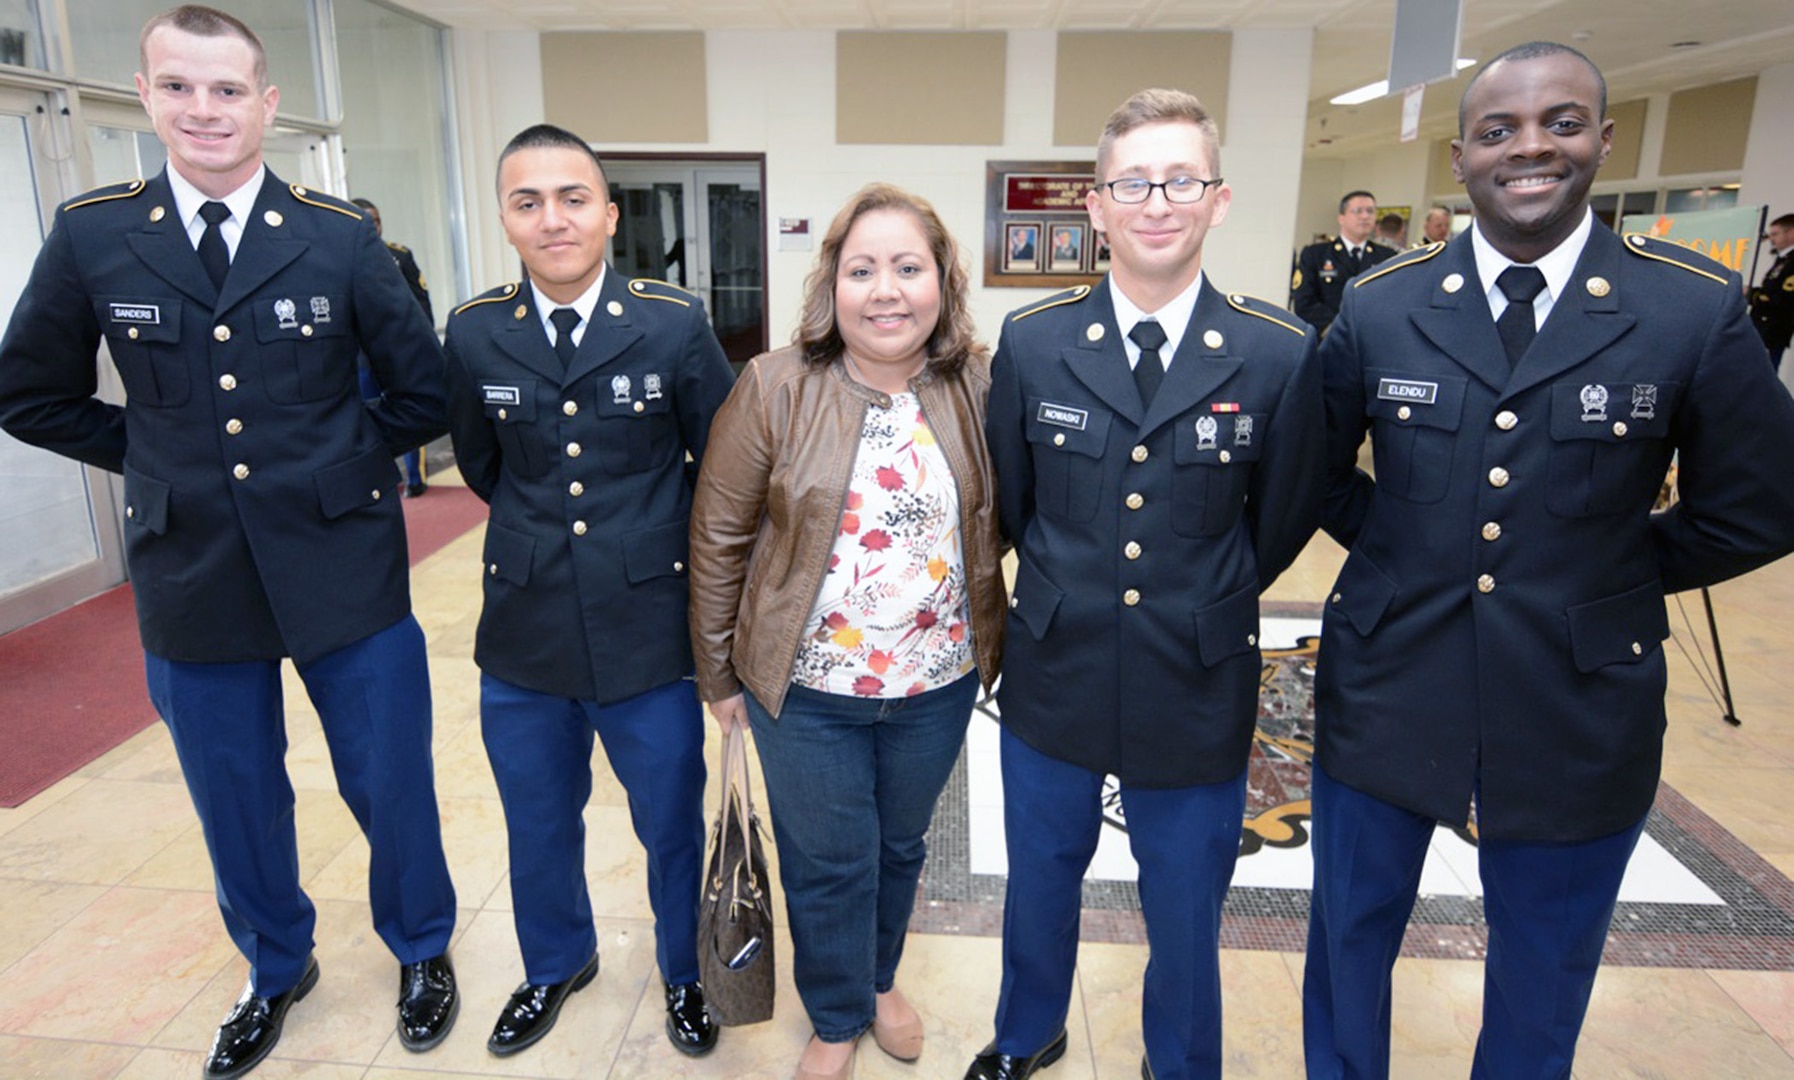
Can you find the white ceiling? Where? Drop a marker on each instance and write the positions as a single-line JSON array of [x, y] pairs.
[[1643, 46]]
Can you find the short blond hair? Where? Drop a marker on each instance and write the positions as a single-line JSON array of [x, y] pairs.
[[1158, 106]]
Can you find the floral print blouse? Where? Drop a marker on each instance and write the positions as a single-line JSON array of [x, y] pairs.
[[891, 619]]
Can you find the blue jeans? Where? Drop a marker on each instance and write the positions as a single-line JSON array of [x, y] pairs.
[[851, 784]]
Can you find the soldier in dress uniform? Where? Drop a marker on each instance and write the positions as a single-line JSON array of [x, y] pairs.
[[258, 523], [1323, 268], [414, 279], [580, 404], [1494, 642], [1772, 302], [1157, 446]]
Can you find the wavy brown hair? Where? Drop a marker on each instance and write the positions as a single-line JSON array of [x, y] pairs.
[[954, 338]]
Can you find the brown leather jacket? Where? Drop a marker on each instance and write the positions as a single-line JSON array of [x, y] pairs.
[[769, 503]]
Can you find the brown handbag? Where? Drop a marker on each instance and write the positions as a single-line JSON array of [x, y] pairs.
[[735, 954]]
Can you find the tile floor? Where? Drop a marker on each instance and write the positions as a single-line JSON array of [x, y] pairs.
[[113, 962]]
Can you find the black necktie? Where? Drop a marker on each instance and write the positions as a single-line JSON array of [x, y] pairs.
[[214, 254], [1516, 325], [1149, 372], [564, 320]]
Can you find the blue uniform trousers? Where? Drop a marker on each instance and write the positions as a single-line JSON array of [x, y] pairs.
[[1548, 907], [1185, 840], [541, 752], [229, 727]]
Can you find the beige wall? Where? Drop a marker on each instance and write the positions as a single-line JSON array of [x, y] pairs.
[[951, 88], [1707, 127], [1096, 71], [592, 85]]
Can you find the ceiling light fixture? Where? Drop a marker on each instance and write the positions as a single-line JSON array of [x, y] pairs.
[[1379, 88]]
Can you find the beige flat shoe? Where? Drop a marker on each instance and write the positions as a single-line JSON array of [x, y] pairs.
[[842, 1073], [903, 1038]]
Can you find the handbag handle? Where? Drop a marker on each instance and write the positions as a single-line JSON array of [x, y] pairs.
[[738, 785]]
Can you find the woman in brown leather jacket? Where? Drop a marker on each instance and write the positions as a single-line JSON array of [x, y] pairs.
[[846, 596]]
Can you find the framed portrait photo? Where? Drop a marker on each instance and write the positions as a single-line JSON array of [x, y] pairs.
[[1066, 252], [1099, 252], [1021, 246]]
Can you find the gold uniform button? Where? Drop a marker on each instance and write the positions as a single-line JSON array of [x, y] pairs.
[[233, 426], [1492, 531], [130, 511], [1014, 600], [227, 382], [305, 331], [1132, 550], [1498, 477], [1506, 420], [1403, 413], [579, 528], [503, 414], [639, 406], [131, 333], [1139, 454], [573, 449], [1619, 429], [1637, 649], [241, 472], [220, 333], [375, 494], [570, 408], [1131, 597], [1337, 597], [1251, 639], [576, 489], [1135, 501], [492, 568], [1059, 439], [678, 567], [1225, 456], [1485, 584]]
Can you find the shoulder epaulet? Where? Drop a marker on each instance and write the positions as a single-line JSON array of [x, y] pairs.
[[397, 247], [327, 202], [1675, 254], [124, 190], [646, 289], [1069, 296], [1401, 261], [503, 292], [1269, 312]]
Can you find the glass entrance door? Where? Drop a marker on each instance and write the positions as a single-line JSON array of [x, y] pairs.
[[702, 227], [59, 532]]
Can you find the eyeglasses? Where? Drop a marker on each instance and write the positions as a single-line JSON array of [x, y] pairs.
[[1178, 189]]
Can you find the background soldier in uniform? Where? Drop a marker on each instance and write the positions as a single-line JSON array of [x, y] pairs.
[[1495, 636], [1772, 302], [575, 398], [1323, 268], [257, 523], [1148, 508], [414, 279]]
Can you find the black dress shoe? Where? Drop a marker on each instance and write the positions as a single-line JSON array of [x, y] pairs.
[[412, 491], [428, 1003], [249, 1033], [689, 1026], [990, 1065], [532, 1011]]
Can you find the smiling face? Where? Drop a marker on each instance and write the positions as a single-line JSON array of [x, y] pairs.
[[208, 108], [557, 213], [1533, 138], [887, 296], [1155, 247]]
